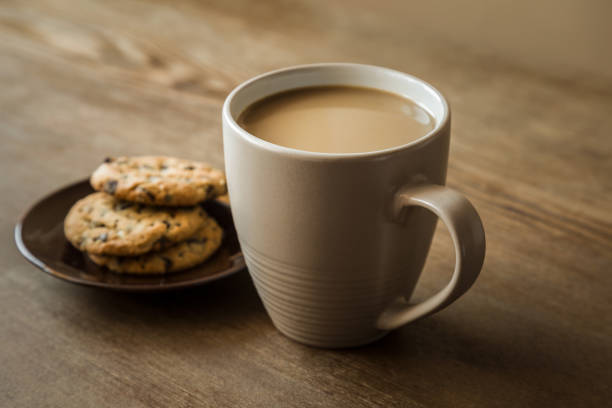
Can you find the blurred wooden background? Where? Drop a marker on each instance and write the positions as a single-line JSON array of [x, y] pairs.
[[560, 38], [530, 85]]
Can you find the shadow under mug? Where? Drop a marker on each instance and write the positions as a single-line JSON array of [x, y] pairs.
[[335, 243]]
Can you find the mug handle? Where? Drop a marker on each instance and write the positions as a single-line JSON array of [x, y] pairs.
[[466, 230]]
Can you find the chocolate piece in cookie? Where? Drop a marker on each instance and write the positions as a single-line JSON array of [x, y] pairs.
[[158, 180], [181, 256], [101, 224]]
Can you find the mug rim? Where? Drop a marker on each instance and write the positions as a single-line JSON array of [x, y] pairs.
[[306, 154]]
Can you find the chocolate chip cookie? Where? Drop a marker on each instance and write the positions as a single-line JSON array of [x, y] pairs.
[[102, 224], [181, 256], [158, 180]]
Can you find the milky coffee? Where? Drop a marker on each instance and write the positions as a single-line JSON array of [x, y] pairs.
[[336, 119]]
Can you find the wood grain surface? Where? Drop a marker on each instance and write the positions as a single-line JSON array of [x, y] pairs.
[[81, 80]]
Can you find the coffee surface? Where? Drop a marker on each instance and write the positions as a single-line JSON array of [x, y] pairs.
[[336, 119]]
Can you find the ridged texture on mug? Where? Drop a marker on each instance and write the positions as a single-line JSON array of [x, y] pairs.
[[320, 308]]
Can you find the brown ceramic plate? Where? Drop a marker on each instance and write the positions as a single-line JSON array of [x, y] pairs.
[[40, 238]]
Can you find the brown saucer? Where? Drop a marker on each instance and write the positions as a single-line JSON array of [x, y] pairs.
[[40, 238]]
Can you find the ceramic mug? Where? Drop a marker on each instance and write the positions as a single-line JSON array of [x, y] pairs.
[[335, 243]]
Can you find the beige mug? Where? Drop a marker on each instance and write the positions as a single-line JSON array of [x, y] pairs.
[[335, 243]]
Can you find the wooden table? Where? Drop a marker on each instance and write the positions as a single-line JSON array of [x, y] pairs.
[[82, 80]]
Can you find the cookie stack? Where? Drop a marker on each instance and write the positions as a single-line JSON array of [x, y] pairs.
[[145, 217]]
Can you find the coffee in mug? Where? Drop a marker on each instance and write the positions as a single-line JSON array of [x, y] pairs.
[[337, 119], [336, 180]]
